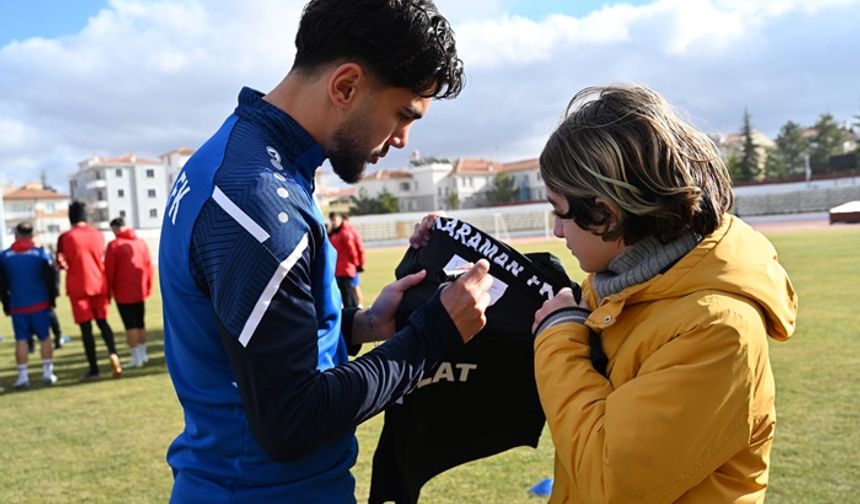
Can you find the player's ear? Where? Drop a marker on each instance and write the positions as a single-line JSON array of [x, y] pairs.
[[344, 84]]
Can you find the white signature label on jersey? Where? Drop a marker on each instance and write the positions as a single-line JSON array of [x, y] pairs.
[[497, 290]]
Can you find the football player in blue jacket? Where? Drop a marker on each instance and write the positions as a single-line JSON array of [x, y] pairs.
[[256, 339], [28, 291]]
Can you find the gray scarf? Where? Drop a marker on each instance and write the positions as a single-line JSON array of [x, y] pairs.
[[640, 262]]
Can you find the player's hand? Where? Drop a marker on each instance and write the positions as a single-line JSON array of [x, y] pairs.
[[467, 298], [421, 236], [385, 307], [564, 299]]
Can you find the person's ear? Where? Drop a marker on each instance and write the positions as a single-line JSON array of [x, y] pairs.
[[609, 211], [344, 84]]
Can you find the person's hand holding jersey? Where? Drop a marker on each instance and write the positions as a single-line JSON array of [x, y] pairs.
[[467, 298]]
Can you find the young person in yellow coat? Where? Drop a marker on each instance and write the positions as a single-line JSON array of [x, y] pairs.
[[680, 295]]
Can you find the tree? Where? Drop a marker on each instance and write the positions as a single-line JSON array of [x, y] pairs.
[[428, 161], [792, 147], [503, 189], [453, 201], [387, 202], [857, 120], [733, 164], [749, 163], [829, 140], [774, 165], [382, 204], [44, 179]]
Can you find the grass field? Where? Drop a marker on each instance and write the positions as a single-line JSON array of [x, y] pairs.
[[105, 441]]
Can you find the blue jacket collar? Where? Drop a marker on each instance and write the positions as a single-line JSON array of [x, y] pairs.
[[296, 145]]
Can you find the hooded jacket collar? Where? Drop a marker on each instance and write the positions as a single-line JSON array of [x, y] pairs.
[[22, 245], [127, 234], [734, 259]]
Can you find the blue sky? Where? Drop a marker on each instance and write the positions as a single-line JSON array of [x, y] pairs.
[[145, 76], [539, 9], [23, 19]]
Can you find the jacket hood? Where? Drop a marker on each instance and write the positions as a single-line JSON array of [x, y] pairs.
[[22, 245], [734, 259], [127, 234]]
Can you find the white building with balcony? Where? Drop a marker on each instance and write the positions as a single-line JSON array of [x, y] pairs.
[[46, 209], [399, 183], [174, 161], [463, 183], [130, 187]]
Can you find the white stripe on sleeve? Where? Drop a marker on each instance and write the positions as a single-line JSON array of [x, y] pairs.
[[269, 292], [239, 215]]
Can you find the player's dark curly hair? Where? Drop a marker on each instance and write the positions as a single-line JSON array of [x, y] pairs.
[[405, 43]]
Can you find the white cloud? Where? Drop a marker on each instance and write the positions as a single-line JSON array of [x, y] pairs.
[[148, 76]]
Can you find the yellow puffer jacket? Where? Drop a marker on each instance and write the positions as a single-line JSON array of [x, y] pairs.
[[687, 413]]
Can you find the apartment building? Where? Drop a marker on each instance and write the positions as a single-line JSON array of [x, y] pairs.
[[128, 186], [46, 209], [399, 183], [174, 161], [462, 183]]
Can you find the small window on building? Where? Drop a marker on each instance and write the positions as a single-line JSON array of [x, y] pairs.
[[53, 228], [150, 193], [404, 186], [98, 175], [122, 213], [150, 173], [119, 172], [153, 213], [50, 207], [120, 193], [100, 195]]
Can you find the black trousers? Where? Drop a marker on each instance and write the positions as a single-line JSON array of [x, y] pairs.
[[347, 292], [90, 344]]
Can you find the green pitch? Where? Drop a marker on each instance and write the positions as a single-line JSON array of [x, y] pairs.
[[105, 441]]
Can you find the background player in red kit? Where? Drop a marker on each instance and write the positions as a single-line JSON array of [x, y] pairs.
[[80, 251], [128, 271]]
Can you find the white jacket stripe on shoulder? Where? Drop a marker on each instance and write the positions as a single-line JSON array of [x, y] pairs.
[[241, 217], [269, 292]]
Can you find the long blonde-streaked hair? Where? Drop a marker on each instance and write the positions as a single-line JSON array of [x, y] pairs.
[[626, 145]]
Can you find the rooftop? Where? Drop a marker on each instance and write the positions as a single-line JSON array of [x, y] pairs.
[[34, 191]]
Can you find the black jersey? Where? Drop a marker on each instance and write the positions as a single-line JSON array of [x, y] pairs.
[[481, 400]]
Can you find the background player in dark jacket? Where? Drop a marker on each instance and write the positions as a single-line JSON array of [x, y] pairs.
[[80, 251], [27, 290]]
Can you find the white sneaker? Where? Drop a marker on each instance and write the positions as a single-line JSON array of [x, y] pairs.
[[22, 383], [133, 362], [50, 380]]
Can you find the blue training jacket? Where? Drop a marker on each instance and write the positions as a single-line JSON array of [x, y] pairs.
[[27, 278], [252, 324]]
